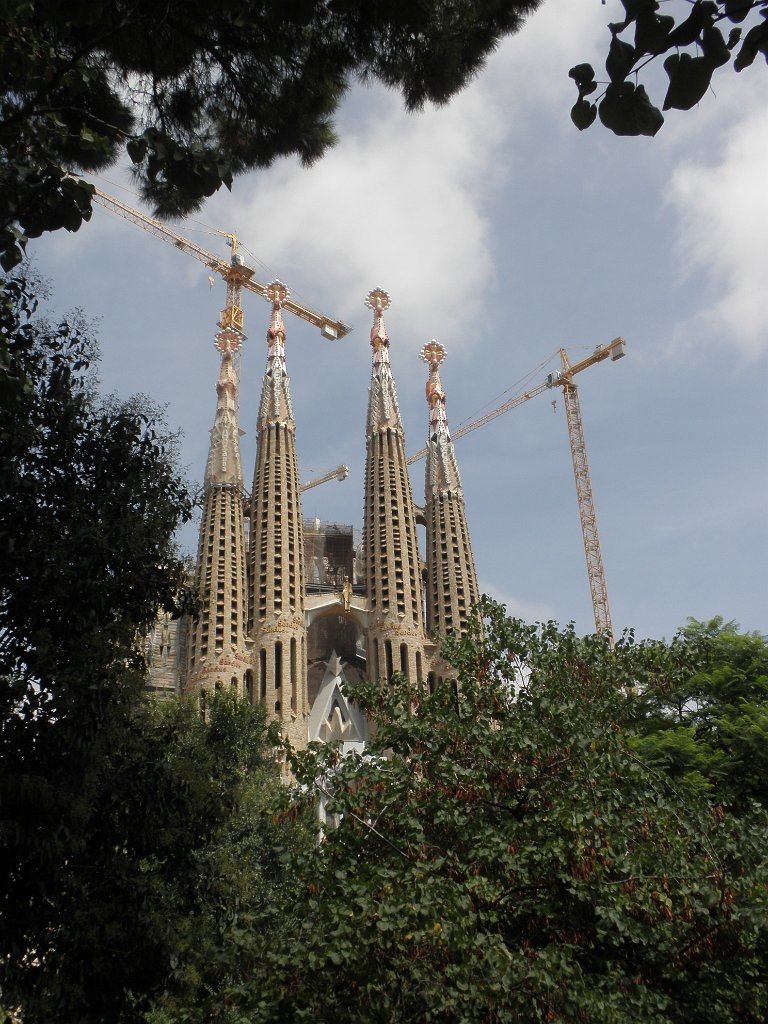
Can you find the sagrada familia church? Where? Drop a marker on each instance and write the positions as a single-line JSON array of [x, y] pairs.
[[292, 608]]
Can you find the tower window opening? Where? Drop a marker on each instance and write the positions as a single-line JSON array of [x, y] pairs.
[[294, 679], [278, 664]]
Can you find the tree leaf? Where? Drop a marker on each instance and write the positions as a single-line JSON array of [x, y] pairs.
[[703, 13], [714, 46], [583, 114], [136, 149], [755, 41], [582, 74], [652, 33], [626, 110], [737, 10], [621, 57], [689, 79]]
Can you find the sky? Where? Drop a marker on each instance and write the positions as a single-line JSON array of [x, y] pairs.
[[506, 234]]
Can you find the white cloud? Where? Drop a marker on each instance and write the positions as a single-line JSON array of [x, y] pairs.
[[528, 611], [723, 225], [398, 203], [404, 201]]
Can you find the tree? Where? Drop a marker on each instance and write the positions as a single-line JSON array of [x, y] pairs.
[[196, 92], [502, 853], [709, 728], [90, 498], [696, 48], [138, 842], [175, 852], [89, 502]]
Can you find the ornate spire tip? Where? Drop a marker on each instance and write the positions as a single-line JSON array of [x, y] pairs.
[[378, 300], [433, 353], [277, 292], [228, 339]]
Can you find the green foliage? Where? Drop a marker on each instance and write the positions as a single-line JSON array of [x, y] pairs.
[[568, 832], [709, 728], [89, 501], [503, 854], [139, 843], [197, 92], [173, 853], [696, 47]]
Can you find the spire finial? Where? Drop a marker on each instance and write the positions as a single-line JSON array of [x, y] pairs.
[[378, 300], [433, 354], [228, 340], [277, 293]]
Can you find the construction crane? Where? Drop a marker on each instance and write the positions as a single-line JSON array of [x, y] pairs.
[[237, 276], [340, 473], [235, 273], [563, 378], [586, 500]]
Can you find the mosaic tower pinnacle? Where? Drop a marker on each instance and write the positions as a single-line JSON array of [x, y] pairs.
[[276, 561], [392, 563], [451, 576]]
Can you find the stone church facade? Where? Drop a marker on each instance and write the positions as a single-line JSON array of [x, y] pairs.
[[291, 609]]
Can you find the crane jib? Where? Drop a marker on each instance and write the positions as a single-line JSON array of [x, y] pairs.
[[235, 271]]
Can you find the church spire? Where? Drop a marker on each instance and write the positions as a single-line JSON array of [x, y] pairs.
[[276, 403], [383, 410], [451, 576], [217, 643], [442, 469], [393, 567], [223, 464], [276, 597]]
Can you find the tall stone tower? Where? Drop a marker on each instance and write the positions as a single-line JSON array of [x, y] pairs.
[[218, 651], [262, 628], [276, 561], [451, 576], [392, 564]]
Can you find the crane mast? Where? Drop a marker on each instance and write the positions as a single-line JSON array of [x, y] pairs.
[[586, 501]]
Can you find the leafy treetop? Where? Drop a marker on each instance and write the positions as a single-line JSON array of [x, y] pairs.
[[166, 857], [503, 853], [709, 728]]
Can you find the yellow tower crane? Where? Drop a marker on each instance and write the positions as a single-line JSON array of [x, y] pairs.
[[235, 272], [237, 277], [563, 378], [340, 473]]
